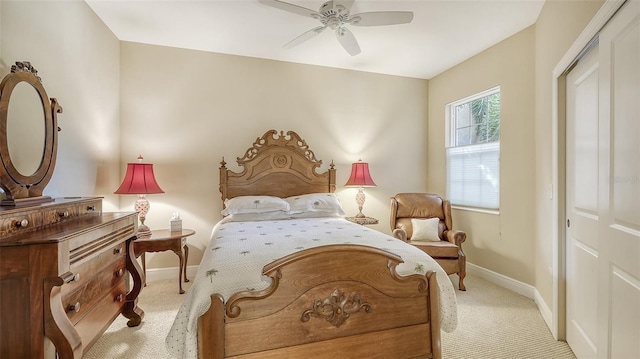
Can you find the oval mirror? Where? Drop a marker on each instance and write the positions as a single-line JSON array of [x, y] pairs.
[[28, 136], [25, 129]]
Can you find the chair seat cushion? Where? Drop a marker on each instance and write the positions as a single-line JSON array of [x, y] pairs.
[[441, 249]]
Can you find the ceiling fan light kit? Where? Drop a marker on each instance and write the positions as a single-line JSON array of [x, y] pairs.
[[336, 16]]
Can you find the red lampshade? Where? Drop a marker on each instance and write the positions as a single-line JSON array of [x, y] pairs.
[[360, 176], [139, 179]]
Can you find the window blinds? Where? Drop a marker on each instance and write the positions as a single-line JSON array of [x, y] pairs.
[[474, 175]]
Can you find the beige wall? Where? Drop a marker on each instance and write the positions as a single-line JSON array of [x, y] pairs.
[[184, 110], [499, 242], [518, 242], [558, 26], [78, 59]]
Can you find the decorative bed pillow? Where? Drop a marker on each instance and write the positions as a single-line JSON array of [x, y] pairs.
[[254, 204], [425, 230], [314, 215], [315, 202], [253, 217]]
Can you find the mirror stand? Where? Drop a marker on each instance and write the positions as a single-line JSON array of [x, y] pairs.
[[23, 189]]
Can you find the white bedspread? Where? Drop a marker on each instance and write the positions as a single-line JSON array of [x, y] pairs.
[[248, 246]]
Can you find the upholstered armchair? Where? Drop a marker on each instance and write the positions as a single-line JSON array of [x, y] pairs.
[[424, 220]]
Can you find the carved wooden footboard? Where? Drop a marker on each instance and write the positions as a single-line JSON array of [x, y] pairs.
[[345, 300]]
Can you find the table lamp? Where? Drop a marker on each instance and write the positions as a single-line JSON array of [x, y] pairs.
[[139, 180], [360, 178]]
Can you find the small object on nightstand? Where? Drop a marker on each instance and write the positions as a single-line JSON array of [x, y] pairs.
[[176, 222], [363, 220]]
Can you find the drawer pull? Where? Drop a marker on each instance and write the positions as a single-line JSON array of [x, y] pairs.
[[69, 277], [75, 307], [117, 250], [91, 208], [64, 214], [119, 272], [23, 223], [118, 298]]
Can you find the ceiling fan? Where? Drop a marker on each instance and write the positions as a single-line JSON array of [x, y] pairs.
[[335, 15]]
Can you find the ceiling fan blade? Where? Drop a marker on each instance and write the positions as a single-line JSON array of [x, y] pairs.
[[348, 41], [292, 8], [381, 18], [304, 37]]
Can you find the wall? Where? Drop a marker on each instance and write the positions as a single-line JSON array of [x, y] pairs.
[[78, 59], [558, 26], [500, 242], [185, 110], [518, 242]]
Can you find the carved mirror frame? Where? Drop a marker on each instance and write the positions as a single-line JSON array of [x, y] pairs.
[[20, 188]]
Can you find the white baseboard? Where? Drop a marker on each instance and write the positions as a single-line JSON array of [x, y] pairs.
[[514, 285], [169, 273]]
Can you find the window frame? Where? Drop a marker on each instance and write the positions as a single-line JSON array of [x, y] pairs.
[[450, 141]]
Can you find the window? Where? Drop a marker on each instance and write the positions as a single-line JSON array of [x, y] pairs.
[[473, 150]]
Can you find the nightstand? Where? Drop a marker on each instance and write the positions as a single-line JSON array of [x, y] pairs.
[[362, 220], [165, 240]]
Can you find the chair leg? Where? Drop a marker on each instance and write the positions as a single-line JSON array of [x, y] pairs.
[[462, 262], [461, 282]]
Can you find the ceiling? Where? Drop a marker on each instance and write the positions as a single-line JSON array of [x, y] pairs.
[[442, 34]]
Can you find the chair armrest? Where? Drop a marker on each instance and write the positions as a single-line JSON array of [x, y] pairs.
[[456, 237], [400, 234]]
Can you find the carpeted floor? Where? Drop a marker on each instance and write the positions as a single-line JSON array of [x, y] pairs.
[[493, 323]]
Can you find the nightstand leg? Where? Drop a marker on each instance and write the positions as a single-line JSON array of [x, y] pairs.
[[186, 260], [144, 268], [180, 269]]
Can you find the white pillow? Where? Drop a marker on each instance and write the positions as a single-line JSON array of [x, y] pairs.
[[254, 204], [315, 202], [425, 229], [304, 215], [253, 217]]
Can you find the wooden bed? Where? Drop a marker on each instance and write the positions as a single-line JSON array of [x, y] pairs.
[[337, 300]]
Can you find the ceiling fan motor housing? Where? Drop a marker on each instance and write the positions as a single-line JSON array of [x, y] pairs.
[[333, 17], [335, 14]]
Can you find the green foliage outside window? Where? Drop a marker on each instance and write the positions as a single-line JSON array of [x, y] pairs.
[[478, 121]]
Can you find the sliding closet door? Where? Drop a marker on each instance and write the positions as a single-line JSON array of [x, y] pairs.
[[619, 231], [583, 247], [603, 193]]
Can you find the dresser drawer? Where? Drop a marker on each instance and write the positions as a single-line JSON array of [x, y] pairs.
[[60, 214], [112, 257], [91, 207], [99, 316], [21, 222], [18, 220], [84, 247], [91, 291]]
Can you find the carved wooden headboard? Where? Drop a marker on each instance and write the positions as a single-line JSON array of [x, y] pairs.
[[277, 165]]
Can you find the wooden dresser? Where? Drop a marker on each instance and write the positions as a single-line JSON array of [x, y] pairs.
[[64, 276]]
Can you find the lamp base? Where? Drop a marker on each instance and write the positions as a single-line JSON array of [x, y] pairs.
[[143, 231], [360, 197]]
